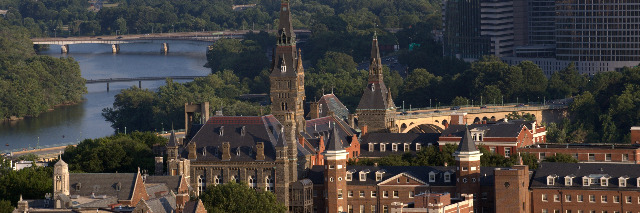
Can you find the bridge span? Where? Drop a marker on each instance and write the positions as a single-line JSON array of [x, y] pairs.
[[412, 119], [139, 79], [162, 38]]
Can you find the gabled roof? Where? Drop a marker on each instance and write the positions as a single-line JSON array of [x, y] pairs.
[[323, 126], [330, 103], [165, 204], [193, 206], [171, 182], [97, 184], [219, 129], [400, 175], [374, 97], [466, 143]]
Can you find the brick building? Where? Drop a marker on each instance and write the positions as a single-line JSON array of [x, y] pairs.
[[504, 137], [586, 188], [376, 145], [338, 187], [315, 138], [589, 153]]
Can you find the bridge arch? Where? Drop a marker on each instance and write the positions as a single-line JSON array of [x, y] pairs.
[[476, 120]]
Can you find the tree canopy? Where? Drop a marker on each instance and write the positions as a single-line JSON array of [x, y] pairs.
[[239, 197]]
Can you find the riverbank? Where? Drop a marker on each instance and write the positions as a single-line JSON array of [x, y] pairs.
[[45, 154]]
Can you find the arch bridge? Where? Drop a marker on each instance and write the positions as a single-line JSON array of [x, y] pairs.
[[440, 118]]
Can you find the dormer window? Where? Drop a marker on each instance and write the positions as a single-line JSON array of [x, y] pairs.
[[604, 181], [406, 147], [568, 180], [585, 181], [447, 177], [432, 177], [363, 174], [394, 147], [382, 147], [349, 176], [78, 186], [417, 147], [243, 131], [283, 67], [379, 174], [622, 181], [551, 179], [638, 185], [221, 131]]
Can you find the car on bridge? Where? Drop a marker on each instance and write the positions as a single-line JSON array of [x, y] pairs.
[[520, 105], [483, 107], [455, 108]]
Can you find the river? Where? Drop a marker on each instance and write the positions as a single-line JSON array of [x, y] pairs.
[[71, 124]]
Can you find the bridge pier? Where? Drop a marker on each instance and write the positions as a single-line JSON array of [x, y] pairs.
[[107, 86], [165, 48], [115, 48], [140, 84], [64, 48]]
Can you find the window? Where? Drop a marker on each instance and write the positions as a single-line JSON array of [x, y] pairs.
[[556, 198], [604, 181], [545, 211], [447, 177], [385, 209], [379, 175], [603, 198], [607, 157], [394, 147], [339, 193], [628, 199], [464, 180], [332, 167], [550, 180], [567, 198], [412, 194], [269, 183], [464, 168], [432, 177], [622, 182], [253, 183], [371, 147], [580, 198], [507, 151], [361, 208], [542, 155], [201, 183], [382, 147], [406, 147], [361, 193], [585, 181], [233, 178], [625, 157], [544, 197], [592, 198], [373, 208], [373, 194], [576, 157], [568, 181], [349, 176], [363, 176], [417, 147], [492, 149], [385, 194], [592, 157], [395, 194], [350, 193], [616, 199], [349, 208], [216, 180]]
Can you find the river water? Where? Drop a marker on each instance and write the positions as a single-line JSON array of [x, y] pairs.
[[71, 124]]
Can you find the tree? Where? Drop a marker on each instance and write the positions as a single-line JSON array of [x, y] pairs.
[[521, 116], [534, 82], [530, 160], [459, 101], [566, 82], [492, 95], [5, 206], [559, 157], [556, 134], [238, 197]]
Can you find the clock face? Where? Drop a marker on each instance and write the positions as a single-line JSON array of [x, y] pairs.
[[284, 9]]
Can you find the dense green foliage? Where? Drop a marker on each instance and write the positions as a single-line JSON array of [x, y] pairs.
[[145, 110], [5, 206], [32, 84], [118, 153], [72, 18], [239, 197], [559, 157], [31, 183]]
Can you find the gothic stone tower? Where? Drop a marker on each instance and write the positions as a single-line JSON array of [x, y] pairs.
[[60, 179], [467, 166], [335, 170], [376, 109], [282, 166], [287, 84]]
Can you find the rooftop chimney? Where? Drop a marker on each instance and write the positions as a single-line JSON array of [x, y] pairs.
[[260, 151], [226, 152]]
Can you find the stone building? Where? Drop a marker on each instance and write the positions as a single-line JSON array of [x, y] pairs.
[[329, 105], [376, 111]]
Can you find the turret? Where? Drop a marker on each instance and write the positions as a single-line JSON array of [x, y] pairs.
[[467, 165], [335, 171], [60, 178]]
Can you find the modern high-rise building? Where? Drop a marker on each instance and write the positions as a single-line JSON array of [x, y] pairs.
[[597, 35]]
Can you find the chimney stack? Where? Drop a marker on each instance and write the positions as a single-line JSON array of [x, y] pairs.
[[259, 151], [314, 110], [364, 130], [226, 152], [159, 165], [192, 150]]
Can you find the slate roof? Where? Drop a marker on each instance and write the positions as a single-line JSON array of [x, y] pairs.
[[374, 96], [171, 182], [219, 129], [580, 170], [425, 139], [500, 129], [334, 141], [331, 103], [192, 206], [466, 143], [316, 174], [320, 127], [102, 184], [155, 190], [165, 204]]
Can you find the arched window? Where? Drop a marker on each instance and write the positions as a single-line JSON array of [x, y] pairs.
[[216, 180], [201, 184], [252, 182], [269, 183], [233, 178]]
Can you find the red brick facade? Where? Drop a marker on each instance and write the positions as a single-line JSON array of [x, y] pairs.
[[610, 153]]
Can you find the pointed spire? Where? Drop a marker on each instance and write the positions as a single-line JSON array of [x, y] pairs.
[[466, 143], [20, 197], [299, 67], [334, 142], [172, 139], [390, 99], [285, 25]]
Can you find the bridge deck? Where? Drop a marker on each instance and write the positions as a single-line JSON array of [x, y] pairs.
[[111, 80]]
